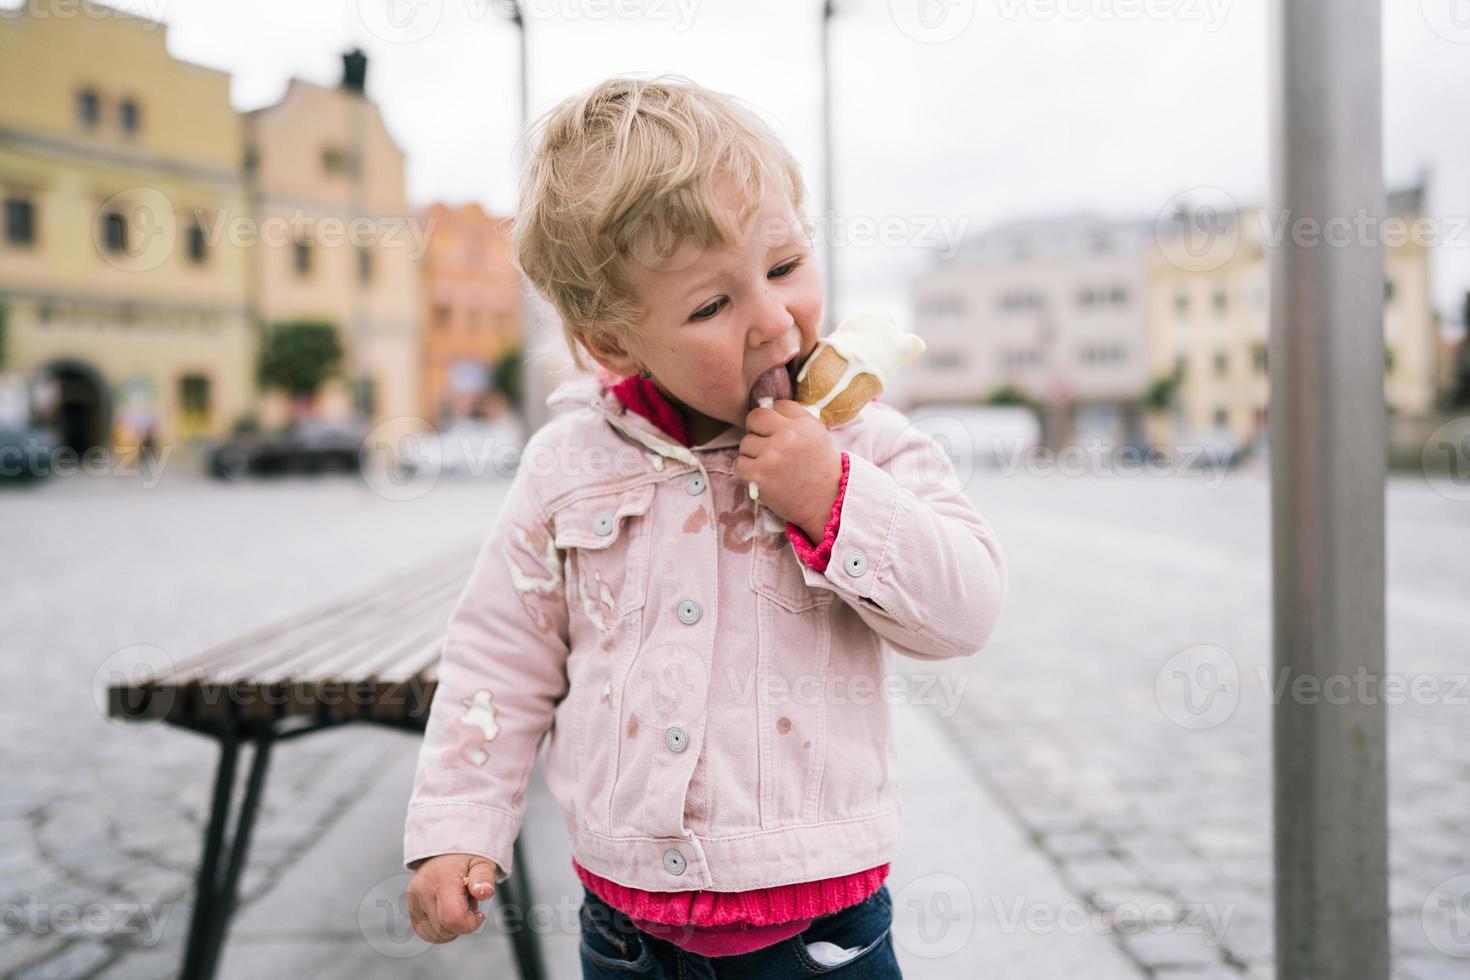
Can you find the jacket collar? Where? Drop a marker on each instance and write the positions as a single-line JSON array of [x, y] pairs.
[[637, 413]]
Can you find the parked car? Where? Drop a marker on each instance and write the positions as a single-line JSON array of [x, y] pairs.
[[306, 446]]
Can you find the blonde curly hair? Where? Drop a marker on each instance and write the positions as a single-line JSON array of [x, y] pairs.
[[623, 173]]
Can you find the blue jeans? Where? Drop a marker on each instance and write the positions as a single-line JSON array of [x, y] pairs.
[[614, 949]]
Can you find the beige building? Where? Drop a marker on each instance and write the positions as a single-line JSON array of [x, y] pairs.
[[1211, 307], [124, 313], [336, 241], [1056, 309], [473, 312]]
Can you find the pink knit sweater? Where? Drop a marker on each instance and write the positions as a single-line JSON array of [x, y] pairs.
[[712, 923]]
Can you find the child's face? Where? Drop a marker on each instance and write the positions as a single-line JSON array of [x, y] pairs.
[[720, 316]]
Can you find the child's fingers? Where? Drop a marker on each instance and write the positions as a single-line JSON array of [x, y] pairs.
[[480, 882], [422, 921], [453, 908]]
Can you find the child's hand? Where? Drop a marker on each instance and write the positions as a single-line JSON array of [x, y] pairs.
[[445, 893], [789, 453]]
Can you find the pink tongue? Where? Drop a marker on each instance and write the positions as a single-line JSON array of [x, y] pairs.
[[775, 383]]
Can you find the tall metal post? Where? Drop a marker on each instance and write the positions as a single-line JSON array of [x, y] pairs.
[[829, 8], [1328, 434]]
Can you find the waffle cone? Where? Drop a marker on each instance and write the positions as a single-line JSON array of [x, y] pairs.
[[825, 370]]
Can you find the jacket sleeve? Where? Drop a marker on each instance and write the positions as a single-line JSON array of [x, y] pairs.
[[501, 675], [911, 553]]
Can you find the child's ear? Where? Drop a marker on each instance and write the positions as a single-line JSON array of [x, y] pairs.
[[605, 349]]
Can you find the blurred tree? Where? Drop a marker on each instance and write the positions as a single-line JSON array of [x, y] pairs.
[[506, 376], [1009, 395], [297, 356], [1163, 391]]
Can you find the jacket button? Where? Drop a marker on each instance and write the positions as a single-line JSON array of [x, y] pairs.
[[603, 524], [689, 612], [673, 862], [675, 739], [695, 484], [855, 563]]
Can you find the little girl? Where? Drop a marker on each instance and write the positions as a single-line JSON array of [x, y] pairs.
[[710, 664]]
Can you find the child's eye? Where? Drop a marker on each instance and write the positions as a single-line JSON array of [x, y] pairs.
[[784, 270], [705, 312]]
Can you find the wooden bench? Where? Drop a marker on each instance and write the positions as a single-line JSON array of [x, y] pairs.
[[369, 657]]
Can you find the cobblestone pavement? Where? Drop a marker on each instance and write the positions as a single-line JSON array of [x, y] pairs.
[[1147, 796], [1144, 803], [101, 822]]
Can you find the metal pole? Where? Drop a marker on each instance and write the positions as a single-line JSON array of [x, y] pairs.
[[1328, 430], [828, 196]]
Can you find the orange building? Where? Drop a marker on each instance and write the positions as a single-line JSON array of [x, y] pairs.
[[473, 314]]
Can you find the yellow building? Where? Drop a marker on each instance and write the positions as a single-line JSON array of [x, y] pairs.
[[1210, 304], [336, 241], [473, 317], [124, 307]]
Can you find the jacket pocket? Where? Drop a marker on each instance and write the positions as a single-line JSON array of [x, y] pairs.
[[776, 574], [607, 541]]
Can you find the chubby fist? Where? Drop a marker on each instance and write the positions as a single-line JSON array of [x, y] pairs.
[[790, 455], [445, 893]]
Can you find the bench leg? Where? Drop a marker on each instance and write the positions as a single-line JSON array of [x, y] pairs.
[[215, 889], [515, 895]]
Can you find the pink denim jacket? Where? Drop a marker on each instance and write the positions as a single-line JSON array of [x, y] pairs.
[[716, 708]]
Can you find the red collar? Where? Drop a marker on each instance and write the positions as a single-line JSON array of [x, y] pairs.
[[639, 394]]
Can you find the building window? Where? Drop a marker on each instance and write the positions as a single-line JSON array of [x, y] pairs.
[[1180, 363], [441, 316], [943, 306], [129, 116], [302, 257], [1118, 295], [1388, 290], [947, 360], [196, 244], [1260, 358], [1016, 302], [20, 221], [194, 397], [1221, 301], [1222, 417], [1181, 303], [365, 397], [1222, 364], [364, 264], [115, 232], [89, 107]]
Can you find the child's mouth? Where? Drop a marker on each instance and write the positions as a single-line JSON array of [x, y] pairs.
[[778, 383]]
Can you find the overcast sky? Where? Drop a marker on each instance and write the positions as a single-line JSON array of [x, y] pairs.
[[949, 114]]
